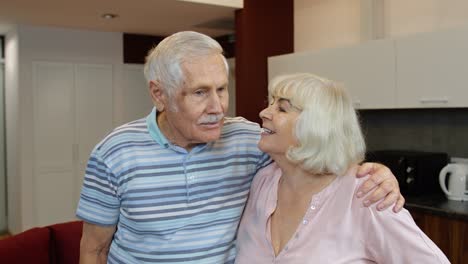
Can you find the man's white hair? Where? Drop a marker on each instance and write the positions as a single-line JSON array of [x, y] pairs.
[[163, 63]]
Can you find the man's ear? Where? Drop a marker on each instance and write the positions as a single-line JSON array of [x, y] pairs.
[[158, 96]]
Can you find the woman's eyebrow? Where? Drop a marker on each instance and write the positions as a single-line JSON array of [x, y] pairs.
[[281, 99]]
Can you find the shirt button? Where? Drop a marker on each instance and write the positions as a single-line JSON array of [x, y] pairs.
[[312, 207], [305, 222], [296, 236]]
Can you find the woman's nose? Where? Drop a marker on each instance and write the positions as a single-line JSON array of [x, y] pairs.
[[265, 113]]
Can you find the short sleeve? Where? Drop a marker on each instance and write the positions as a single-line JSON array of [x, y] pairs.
[[99, 202]]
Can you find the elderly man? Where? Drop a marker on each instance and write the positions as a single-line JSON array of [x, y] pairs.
[[171, 188]]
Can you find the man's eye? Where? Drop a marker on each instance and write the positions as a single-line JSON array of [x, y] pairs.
[[221, 89], [200, 92]]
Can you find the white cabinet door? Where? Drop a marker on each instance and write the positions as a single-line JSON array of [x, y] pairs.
[[53, 142], [367, 70], [93, 113], [432, 69]]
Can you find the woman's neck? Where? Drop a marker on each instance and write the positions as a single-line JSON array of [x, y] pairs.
[[299, 180]]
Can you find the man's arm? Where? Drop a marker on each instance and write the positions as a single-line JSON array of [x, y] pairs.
[[95, 243], [385, 184]]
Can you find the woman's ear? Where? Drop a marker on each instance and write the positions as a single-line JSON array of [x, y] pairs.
[[158, 95]]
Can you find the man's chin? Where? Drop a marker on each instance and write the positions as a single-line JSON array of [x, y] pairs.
[[212, 136]]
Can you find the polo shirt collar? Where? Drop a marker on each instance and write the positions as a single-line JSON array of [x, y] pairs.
[[154, 130]]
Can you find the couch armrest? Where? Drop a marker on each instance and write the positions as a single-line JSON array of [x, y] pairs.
[[31, 246], [65, 242]]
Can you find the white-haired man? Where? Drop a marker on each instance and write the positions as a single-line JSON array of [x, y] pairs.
[[171, 187]]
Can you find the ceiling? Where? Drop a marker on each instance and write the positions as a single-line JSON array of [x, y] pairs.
[[150, 17]]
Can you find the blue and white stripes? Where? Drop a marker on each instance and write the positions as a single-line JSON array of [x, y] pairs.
[[170, 205]]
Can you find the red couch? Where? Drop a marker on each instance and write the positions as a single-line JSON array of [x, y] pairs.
[[54, 244]]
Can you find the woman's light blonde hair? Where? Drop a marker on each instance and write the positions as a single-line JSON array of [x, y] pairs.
[[328, 131]]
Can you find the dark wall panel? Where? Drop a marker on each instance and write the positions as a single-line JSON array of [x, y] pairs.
[[263, 28], [136, 47]]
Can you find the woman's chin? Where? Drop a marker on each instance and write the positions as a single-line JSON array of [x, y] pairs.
[[266, 149]]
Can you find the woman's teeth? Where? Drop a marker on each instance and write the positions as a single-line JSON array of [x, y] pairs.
[[266, 130]]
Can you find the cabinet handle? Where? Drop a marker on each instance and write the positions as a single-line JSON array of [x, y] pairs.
[[434, 100]]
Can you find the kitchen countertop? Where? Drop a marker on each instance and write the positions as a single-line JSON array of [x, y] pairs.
[[438, 205]]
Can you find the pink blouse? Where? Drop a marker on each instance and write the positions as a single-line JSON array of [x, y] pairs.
[[337, 228]]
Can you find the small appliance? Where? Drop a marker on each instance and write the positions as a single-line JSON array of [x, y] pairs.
[[457, 188], [417, 172]]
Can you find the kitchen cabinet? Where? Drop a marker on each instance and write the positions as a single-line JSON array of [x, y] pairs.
[[72, 112], [367, 70], [450, 235], [431, 69], [425, 70]]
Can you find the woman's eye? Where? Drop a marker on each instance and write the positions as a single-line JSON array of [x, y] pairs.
[[281, 109]]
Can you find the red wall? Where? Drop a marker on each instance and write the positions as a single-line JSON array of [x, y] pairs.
[[263, 28]]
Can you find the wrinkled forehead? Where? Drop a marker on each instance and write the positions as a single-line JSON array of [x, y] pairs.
[[205, 70]]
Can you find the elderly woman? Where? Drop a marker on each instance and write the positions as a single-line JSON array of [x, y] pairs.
[[303, 208]]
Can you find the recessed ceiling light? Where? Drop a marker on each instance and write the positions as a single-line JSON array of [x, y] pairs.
[[109, 16]]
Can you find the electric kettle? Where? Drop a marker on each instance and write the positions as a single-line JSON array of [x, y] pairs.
[[457, 182]]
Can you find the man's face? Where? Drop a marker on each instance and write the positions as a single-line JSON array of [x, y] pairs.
[[194, 114]]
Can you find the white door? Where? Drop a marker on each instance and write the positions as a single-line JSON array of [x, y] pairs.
[[93, 114], [53, 142], [72, 112]]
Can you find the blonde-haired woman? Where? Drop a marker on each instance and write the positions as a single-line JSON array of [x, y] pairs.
[[303, 207]]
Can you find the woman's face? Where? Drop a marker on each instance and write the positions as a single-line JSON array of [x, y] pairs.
[[279, 120]]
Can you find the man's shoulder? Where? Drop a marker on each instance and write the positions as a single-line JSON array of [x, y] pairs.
[[132, 131], [235, 123]]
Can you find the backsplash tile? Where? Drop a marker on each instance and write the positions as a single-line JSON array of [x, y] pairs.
[[444, 130]]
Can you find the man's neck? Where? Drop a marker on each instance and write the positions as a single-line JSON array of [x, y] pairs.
[[168, 131]]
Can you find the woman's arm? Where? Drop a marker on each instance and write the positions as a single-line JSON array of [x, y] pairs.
[[395, 238]]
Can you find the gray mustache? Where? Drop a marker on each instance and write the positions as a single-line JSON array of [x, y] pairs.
[[211, 118]]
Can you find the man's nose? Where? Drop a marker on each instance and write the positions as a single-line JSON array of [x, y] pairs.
[[215, 103]]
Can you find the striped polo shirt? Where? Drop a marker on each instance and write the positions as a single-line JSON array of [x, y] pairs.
[[171, 205]]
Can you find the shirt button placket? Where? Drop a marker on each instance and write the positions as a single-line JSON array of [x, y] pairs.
[[188, 178]]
